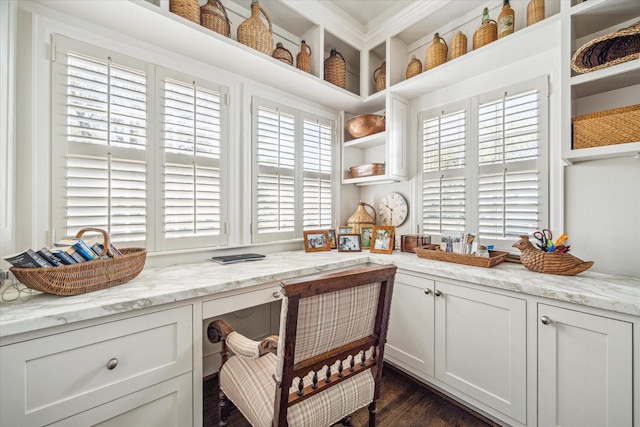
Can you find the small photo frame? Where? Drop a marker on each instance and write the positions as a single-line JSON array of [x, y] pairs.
[[383, 239], [469, 244], [316, 240], [345, 229], [332, 239], [366, 233], [451, 242], [349, 243]]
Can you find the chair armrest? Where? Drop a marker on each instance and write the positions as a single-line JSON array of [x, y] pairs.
[[219, 330], [269, 345]]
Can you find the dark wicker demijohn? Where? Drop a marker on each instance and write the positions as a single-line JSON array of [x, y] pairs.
[[283, 54], [253, 33], [335, 69], [213, 16]]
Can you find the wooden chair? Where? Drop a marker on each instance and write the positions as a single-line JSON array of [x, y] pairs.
[[328, 362]]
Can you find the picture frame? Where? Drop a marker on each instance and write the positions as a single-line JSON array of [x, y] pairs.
[[349, 243], [452, 242], [383, 239], [345, 229], [469, 244], [332, 239], [316, 240], [366, 233]]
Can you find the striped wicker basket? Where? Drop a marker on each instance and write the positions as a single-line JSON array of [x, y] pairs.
[[283, 54], [611, 49], [303, 59], [188, 9], [458, 46], [380, 76], [214, 16], [437, 53], [335, 69], [487, 33], [611, 127], [253, 33], [414, 67], [535, 11], [88, 276]]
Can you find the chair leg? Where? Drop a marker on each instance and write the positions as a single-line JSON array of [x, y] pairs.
[[346, 421], [223, 409], [372, 414]]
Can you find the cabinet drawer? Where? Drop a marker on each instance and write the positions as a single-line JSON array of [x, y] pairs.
[[53, 377], [220, 306]]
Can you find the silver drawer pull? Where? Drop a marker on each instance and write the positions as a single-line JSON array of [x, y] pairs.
[[427, 291], [438, 293], [545, 320], [276, 295], [112, 363]]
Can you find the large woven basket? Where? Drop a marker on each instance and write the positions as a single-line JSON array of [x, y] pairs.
[[214, 16], [283, 54], [88, 276], [458, 45], [303, 59], [414, 67], [188, 9], [615, 48], [437, 53], [380, 76], [335, 69], [487, 33], [617, 126], [253, 33], [535, 11]]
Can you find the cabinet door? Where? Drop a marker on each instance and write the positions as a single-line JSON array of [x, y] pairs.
[[397, 138], [410, 334], [584, 369], [481, 346]]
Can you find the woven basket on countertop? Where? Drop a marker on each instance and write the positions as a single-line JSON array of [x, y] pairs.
[[433, 252], [214, 16], [335, 69], [380, 77], [283, 54], [253, 33], [535, 11], [487, 33], [437, 53], [458, 46], [414, 67], [611, 127], [188, 9], [303, 59], [87, 276], [611, 49]]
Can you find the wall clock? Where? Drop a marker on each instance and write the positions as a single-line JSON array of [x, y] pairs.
[[393, 209]]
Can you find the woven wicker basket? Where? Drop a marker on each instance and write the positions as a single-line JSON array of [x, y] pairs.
[[414, 67], [487, 33], [253, 33], [535, 11], [188, 9], [335, 69], [458, 46], [437, 53], [367, 170], [611, 127], [380, 76], [361, 218], [615, 48], [428, 252], [303, 59], [88, 276], [214, 16], [283, 54]]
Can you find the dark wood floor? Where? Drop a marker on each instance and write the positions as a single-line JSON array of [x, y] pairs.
[[403, 403]]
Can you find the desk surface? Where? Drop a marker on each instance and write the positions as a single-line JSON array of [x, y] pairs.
[[161, 285]]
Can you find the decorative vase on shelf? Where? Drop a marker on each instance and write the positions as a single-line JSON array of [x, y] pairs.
[[506, 20], [303, 59], [380, 77], [487, 33], [335, 69], [253, 33], [437, 53], [214, 16], [361, 218], [414, 67], [283, 54], [188, 9], [458, 45], [535, 11]]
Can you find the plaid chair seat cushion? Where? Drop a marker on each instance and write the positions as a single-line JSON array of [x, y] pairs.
[[250, 385]]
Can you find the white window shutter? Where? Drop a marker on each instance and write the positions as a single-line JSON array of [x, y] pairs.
[[317, 139]]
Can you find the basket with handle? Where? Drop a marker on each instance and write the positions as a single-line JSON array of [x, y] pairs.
[[437, 53], [188, 9], [283, 54], [487, 33], [380, 77], [253, 33], [214, 16], [335, 69], [303, 59], [101, 273]]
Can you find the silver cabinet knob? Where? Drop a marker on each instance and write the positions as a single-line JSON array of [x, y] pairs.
[[427, 291], [112, 363], [438, 293], [545, 320], [276, 295]]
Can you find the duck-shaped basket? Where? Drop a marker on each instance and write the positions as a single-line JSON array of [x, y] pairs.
[[549, 262]]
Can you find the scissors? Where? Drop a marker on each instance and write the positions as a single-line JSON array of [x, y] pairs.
[[544, 237]]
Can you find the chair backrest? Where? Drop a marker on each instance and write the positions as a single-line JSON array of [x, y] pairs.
[[326, 318]]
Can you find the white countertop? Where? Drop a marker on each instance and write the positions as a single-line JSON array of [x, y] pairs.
[[160, 285]]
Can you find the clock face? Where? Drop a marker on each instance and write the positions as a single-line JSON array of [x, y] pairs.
[[393, 209]]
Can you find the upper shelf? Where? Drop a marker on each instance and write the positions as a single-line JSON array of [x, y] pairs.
[[594, 15]]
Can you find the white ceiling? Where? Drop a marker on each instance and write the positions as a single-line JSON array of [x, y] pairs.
[[367, 11]]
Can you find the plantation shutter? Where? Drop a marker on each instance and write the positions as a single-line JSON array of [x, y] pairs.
[[101, 101], [317, 139], [274, 179], [508, 153], [192, 118], [443, 161]]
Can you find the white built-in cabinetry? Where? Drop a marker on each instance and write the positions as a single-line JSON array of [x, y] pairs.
[[608, 88], [131, 371]]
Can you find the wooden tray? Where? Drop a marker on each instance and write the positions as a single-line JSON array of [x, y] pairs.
[[495, 257]]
